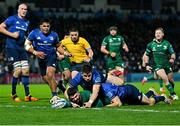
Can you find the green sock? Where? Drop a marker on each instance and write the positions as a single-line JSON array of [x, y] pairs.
[[160, 83], [170, 89], [172, 84], [150, 77]]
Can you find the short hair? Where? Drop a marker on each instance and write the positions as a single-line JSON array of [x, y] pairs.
[[113, 28], [44, 20], [74, 29], [71, 91], [159, 28], [87, 68]]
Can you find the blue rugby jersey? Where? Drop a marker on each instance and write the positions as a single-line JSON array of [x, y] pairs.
[[42, 42], [14, 24]]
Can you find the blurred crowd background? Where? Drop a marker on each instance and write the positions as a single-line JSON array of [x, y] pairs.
[[135, 19]]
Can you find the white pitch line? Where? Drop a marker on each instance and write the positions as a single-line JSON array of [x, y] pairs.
[[141, 110], [119, 109]]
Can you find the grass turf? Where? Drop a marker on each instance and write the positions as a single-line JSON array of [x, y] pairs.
[[31, 113]]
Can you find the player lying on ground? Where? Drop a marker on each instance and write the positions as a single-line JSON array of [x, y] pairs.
[[115, 95]]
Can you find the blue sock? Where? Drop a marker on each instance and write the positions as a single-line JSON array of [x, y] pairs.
[[25, 81], [54, 94], [149, 94], [14, 84], [159, 98]]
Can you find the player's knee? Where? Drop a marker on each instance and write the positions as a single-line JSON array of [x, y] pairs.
[[25, 67]]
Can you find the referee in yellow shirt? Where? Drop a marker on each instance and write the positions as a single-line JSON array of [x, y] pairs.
[[78, 48]]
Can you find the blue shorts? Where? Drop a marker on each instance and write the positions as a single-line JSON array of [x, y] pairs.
[[77, 66], [14, 55], [49, 61], [133, 96]]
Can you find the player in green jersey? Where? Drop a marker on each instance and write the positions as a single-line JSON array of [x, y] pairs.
[[152, 76], [112, 46], [163, 56], [79, 98]]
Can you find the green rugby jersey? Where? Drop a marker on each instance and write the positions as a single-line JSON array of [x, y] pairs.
[[114, 44], [160, 51]]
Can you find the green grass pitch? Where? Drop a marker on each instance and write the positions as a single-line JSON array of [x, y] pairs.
[[41, 113]]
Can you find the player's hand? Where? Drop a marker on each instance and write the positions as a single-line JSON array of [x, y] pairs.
[[87, 105], [74, 105], [113, 54], [148, 68], [15, 35], [171, 60], [40, 54], [87, 60], [68, 54]]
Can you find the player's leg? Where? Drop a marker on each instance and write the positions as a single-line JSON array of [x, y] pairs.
[[25, 76], [64, 67], [13, 59], [162, 74], [114, 79]]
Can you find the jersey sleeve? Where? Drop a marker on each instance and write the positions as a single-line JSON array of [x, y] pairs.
[[86, 44], [170, 48], [104, 42], [56, 38], [148, 49], [97, 79], [31, 36], [9, 21], [75, 81]]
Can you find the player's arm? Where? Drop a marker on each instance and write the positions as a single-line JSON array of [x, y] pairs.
[[94, 95], [173, 55], [146, 62], [145, 59], [3, 30], [61, 50], [90, 53], [115, 102], [29, 47], [125, 47]]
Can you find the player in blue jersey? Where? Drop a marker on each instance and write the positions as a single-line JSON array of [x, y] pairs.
[[91, 79], [129, 94], [43, 43], [15, 28]]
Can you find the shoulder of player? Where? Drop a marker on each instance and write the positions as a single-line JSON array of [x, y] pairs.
[[81, 39]]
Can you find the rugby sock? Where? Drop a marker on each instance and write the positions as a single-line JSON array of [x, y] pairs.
[[150, 77], [25, 81], [14, 84], [61, 86], [170, 89], [159, 98], [54, 94], [149, 94], [172, 84], [160, 83]]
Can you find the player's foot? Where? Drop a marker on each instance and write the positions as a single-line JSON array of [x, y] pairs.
[[61, 86], [174, 97], [144, 80], [15, 98], [167, 100], [162, 90], [30, 98], [153, 90]]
